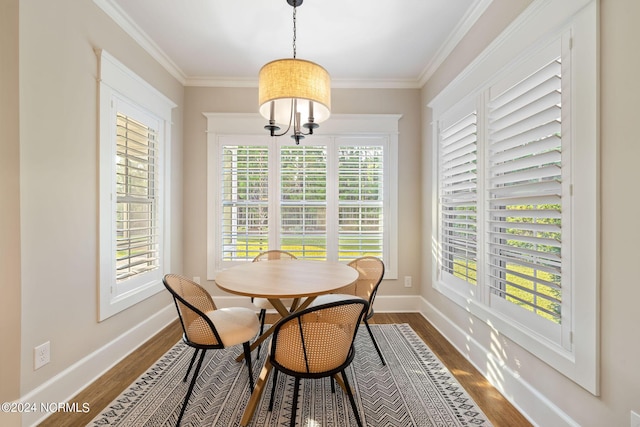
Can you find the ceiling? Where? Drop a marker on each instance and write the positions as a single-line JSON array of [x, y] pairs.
[[362, 43]]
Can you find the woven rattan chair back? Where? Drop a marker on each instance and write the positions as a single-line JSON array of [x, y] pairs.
[[370, 272], [194, 305], [273, 254], [270, 255], [192, 302], [317, 341]]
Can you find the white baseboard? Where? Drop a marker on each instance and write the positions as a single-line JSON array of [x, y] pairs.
[[532, 404], [78, 376]]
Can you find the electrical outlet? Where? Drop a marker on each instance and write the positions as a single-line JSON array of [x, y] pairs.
[[41, 355], [407, 282], [196, 279], [635, 419]]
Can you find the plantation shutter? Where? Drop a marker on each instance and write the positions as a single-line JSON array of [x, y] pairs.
[[137, 228], [525, 193], [459, 199], [303, 201], [244, 203], [360, 201]]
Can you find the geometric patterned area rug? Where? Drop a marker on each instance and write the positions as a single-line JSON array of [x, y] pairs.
[[414, 389]]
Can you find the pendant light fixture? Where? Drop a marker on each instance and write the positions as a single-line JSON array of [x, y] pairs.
[[292, 90]]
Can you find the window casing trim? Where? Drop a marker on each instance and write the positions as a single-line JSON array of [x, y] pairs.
[[340, 125], [542, 22], [118, 84]]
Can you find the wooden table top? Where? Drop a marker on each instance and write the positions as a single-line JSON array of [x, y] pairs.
[[285, 278]]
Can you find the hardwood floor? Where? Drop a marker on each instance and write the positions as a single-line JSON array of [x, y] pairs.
[[99, 394], [106, 388]]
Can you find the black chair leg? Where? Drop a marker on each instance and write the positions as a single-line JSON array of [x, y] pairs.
[[273, 388], [294, 406], [351, 399], [375, 344], [261, 317], [247, 358], [193, 359], [193, 383]]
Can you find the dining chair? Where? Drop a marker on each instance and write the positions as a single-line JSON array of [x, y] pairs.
[[262, 303], [207, 327], [316, 342], [370, 273]]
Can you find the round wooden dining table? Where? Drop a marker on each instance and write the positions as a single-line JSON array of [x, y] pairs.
[[277, 280], [280, 279]]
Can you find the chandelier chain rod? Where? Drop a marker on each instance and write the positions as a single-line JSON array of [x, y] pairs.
[[294, 29]]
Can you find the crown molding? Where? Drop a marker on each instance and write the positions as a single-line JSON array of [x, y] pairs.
[[124, 21], [463, 27]]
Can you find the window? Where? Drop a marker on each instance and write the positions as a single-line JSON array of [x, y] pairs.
[[516, 214], [244, 200], [525, 199], [360, 201], [137, 210], [459, 199], [303, 200], [328, 198], [134, 129]]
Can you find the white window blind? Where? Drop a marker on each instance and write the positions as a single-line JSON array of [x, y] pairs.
[[360, 201], [303, 201], [244, 214], [137, 224], [525, 193], [459, 198]]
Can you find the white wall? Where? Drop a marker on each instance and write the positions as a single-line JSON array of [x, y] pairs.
[[59, 200], [543, 394]]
